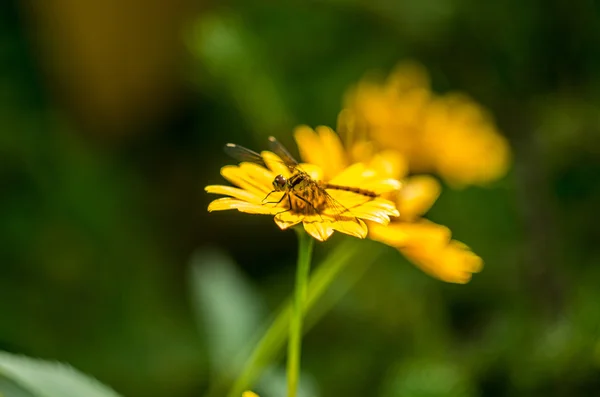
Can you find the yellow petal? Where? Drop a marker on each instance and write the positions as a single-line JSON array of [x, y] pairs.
[[287, 219], [389, 164], [346, 199], [356, 227], [350, 176], [382, 186], [335, 155], [241, 178], [259, 173], [227, 203], [323, 148], [362, 151], [454, 263], [417, 196], [401, 234], [319, 230], [428, 246], [358, 175], [378, 210], [309, 146], [314, 171], [275, 164], [249, 394], [233, 192]]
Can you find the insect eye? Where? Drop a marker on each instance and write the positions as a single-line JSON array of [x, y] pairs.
[[279, 182]]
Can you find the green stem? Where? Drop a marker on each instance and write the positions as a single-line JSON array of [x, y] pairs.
[[305, 247], [350, 258]]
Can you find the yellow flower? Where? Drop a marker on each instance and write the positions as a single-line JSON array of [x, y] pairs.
[[320, 215], [249, 394], [426, 244], [450, 135]]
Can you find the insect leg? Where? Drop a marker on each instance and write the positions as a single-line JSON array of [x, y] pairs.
[[271, 192], [309, 203], [273, 202], [289, 203]]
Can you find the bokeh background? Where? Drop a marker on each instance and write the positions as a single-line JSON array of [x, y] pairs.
[[112, 119]]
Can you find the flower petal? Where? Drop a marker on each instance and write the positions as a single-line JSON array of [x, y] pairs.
[[241, 178], [428, 246], [314, 171], [350, 176], [233, 192], [319, 230], [287, 219], [378, 210], [453, 263], [323, 148], [227, 203], [382, 186], [356, 228], [309, 145], [275, 164], [401, 234], [259, 173], [390, 163], [417, 196], [335, 155]]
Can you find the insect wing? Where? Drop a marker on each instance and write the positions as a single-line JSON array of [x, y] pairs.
[[282, 152], [243, 154], [333, 207]]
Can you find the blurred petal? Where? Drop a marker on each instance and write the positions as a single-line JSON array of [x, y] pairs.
[[350, 176], [417, 196], [381, 186], [453, 263], [389, 164], [309, 145], [314, 171], [335, 155], [401, 234], [323, 148]]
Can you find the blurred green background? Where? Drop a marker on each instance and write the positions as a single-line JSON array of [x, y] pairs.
[[112, 119]]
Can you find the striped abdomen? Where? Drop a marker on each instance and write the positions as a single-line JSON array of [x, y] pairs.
[[352, 189]]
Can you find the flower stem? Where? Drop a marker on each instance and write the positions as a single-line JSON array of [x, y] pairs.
[[305, 247]]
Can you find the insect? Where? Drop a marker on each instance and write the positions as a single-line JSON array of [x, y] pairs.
[[304, 194]]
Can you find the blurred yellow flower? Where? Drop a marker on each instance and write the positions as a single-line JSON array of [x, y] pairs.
[[320, 209], [450, 135], [426, 244], [249, 394]]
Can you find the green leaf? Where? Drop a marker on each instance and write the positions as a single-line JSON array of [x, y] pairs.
[[22, 376], [227, 307]]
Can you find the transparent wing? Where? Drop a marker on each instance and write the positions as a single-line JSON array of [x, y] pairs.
[[333, 207], [282, 152], [243, 154]]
